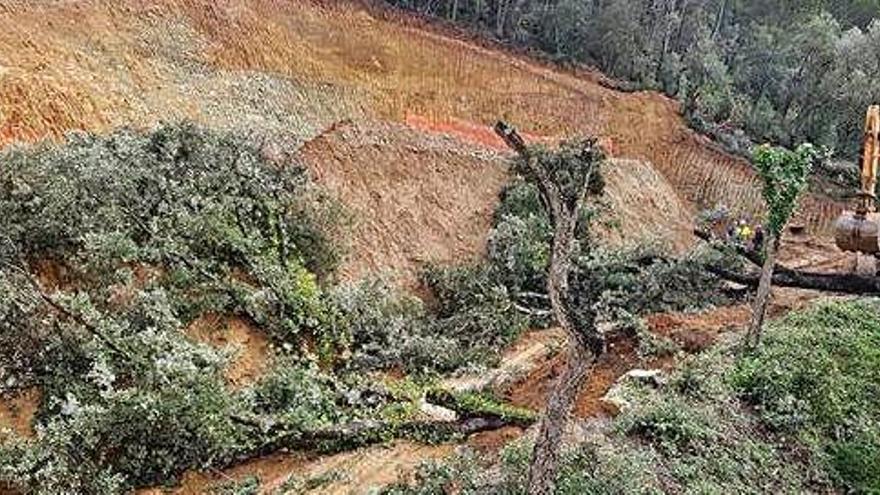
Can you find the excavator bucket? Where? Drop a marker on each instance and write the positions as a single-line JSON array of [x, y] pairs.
[[859, 230]]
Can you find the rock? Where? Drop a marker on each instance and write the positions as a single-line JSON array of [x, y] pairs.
[[649, 377], [617, 396], [437, 413]]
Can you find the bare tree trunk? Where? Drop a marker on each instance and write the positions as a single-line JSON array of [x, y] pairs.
[[585, 344], [545, 458], [762, 297], [582, 353]]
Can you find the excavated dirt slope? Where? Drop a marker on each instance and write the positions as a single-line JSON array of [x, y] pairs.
[[288, 69], [417, 197], [414, 198]]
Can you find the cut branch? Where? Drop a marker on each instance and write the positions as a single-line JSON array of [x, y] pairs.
[[531, 311], [357, 434], [63, 310]]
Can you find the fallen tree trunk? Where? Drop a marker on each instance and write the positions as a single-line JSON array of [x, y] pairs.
[[843, 283], [827, 282], [363, 433], [356, 434]]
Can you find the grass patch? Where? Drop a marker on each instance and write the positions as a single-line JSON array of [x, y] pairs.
[[816, 378]]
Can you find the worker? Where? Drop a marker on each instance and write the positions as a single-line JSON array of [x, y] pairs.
[[758, 239], [744, 233]]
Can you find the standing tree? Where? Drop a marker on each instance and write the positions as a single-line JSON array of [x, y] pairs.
[[564, 179], [785, 175]]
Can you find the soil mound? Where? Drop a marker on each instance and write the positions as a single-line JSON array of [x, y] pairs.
[[415, 198], [17, 412], [645, 209]]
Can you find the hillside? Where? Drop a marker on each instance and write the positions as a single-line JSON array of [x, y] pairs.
[[288, 70], [391, 116]]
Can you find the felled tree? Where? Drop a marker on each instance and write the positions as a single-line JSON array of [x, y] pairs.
[[785, 176], [565, 178]]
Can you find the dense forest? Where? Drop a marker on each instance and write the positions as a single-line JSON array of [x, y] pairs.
[[782, 71]]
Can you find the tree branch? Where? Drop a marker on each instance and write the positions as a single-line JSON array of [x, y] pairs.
[[64, 310], [750, 256]]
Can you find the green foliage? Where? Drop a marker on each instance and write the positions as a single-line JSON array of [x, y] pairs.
[[705, 440], [640, 281], [816, 377], [248, 486], [231, 230], [785, 175], [128, 426], [519, 242], [669, 426], [471, 323], [109, 247], [473, 308], [619, 283], [298, 485], [591, 468], [297, 394], [435, 478], [809, 422], [569, 166]]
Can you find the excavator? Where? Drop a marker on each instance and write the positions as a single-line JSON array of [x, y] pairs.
[[858, 230]]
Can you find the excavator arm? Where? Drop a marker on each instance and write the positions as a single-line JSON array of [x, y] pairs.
[[859, 230], [870, 160]]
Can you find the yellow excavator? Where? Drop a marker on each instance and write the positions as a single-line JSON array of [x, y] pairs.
[[859, 230]]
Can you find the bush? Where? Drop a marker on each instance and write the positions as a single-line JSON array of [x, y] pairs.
[[641, 281], [299, 395], [389, 330], [231, 230], [591, 468], [123, 437], [471, 323], [817, 377], [473, 308], [705, 440], [109, 247]]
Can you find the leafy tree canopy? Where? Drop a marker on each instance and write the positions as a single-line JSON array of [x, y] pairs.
[[785, 175]]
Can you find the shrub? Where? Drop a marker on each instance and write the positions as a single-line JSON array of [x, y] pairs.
[[473, 308], [705, 439], [230, 229], [816, 377], [591, 468], [471, 321], [128, 436], [640, 281], [109, 247], [299, 395], [390, 330]]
